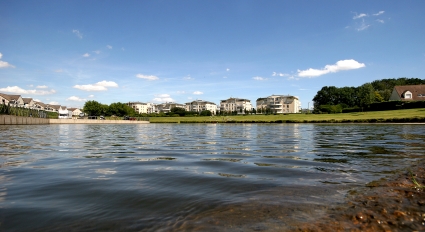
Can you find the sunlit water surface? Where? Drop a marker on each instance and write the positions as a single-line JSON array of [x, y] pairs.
[[176, 176]]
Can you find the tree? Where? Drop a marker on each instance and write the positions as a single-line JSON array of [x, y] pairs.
[[120, 109], [93, 108], [206, 113], [366, 95], [178, 110]]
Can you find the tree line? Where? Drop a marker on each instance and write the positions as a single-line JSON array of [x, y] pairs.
[[331, 99]]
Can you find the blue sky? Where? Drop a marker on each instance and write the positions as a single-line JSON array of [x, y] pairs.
[[67, 52]]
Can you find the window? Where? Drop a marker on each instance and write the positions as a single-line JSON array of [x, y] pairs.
[[408, 95]]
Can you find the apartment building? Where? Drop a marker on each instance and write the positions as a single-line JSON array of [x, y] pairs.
[[200, 105], [142, 108], [166, 107], [238, 105], [279, 104]]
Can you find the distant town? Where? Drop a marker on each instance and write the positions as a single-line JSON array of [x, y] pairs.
[[278, 104]]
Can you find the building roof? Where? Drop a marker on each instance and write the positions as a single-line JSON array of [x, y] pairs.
[[40, 104], [418, 91], [27, 100], [236, 99], [10, 97]]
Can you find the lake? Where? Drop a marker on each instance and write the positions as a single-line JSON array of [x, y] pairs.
[[171, 177]]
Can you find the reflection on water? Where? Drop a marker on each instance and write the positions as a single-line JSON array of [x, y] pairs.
[[172, 177]]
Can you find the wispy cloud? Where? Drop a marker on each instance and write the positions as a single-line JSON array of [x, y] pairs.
[[99, 86], [42, 87], [18, 90], [358, 16], [4, 64], [380, 20], [77, 99], [379, 13], [97, 52], [58, 70], [363, 26], [162, 98], [188, 77], [86, 55], [339, 66], [77, 33], [147, 77], [257, 78], [280, 74], [198, 93], [109, 46], [227, 69]]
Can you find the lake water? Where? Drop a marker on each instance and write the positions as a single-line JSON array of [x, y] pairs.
[[169, 177]]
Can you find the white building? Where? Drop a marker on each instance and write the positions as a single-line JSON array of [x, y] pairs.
[[279, 104], [13, 100], [142, 108], [64, 113], [200, 105], [166, 107], [238, 105]]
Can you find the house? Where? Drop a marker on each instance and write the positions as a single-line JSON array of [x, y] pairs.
[[408, 93], [75, 112], [142, 108], [200, 105], [239, 105], [64, 113], [28, 103], [13, 100], [52, 108], [166, 107], [279, 104], [39, 105]]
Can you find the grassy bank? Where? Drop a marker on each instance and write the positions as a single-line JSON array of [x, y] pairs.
[[397, 116]]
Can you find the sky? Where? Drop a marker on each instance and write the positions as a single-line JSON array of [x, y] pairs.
[[69, 52]]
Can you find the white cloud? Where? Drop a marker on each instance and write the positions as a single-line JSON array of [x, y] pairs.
[[99, 86], [42, 87], [91, 96], [280, 74], [379, 13], [163, 98], [198, 93], [358, 16], [109, 46], [147, 77], [74, 98], [339, 66], [78, 33], [18, 90], [188, 77], [227, 69], [36, 100], [380, 20], [107, 84], [53, 103], [257, 78], [90, 87], [4, 64], [86, 55], [97, 52]]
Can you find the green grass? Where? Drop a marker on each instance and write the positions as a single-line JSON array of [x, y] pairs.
[[409, 115]]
